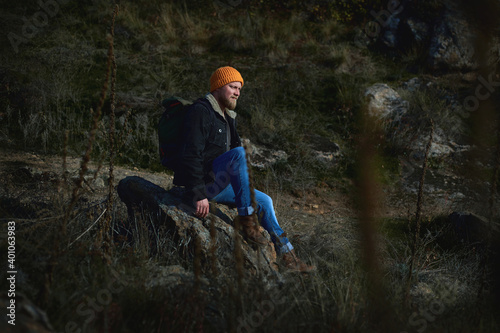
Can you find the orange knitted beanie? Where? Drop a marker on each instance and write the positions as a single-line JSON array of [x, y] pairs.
[[223, 76]]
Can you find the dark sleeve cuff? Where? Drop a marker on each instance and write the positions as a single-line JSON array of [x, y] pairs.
[[192, 195]]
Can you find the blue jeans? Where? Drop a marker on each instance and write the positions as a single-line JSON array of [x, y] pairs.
[[232, 187]]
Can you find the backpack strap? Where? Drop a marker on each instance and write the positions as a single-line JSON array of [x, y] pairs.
[[206, 103]]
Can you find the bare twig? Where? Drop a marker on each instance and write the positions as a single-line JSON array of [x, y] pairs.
[[418, 212], [88, 229]]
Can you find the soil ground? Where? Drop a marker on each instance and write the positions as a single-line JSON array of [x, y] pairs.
[[321, 223], [27, 179]]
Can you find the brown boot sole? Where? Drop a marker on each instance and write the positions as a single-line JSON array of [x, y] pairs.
[[252, 240]]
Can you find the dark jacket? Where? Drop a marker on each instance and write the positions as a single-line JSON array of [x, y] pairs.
[[204, 138]]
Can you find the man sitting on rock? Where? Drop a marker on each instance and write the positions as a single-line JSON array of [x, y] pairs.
[[212, 165]]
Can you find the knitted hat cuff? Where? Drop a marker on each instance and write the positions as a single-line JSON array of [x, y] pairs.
[[223, 76]]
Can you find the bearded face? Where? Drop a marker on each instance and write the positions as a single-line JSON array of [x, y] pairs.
[[228, 95], [230, 102]]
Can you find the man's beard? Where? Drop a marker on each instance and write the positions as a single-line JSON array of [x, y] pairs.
[[230, 103]]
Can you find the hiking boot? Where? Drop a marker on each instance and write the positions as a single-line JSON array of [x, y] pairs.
[[250, 229], [294, 264]]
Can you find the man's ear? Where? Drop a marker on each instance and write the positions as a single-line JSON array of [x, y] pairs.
[[216, 93]]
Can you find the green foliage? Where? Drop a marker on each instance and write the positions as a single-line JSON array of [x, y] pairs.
[[165, 48], [354, 10]]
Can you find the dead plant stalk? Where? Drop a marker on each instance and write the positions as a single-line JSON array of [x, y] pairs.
[[418, 213], [105, 236]]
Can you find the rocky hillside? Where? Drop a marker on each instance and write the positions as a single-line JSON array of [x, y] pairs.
[[373, 125]]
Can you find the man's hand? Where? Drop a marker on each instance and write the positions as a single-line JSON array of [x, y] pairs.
[[202, 208]]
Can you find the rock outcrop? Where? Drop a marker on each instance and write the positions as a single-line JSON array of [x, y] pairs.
[[211, 242], [445, 32]]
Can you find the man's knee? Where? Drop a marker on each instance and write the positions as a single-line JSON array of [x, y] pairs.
[[239, 152], [264, 200]]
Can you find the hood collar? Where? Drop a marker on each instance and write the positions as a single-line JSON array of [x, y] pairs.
[[217, 108]]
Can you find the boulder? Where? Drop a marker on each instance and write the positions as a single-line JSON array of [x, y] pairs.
[[262, 157], [384, 102], [211, 242]]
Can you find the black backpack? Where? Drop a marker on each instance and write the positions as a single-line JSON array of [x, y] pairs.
[[169, 129]]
